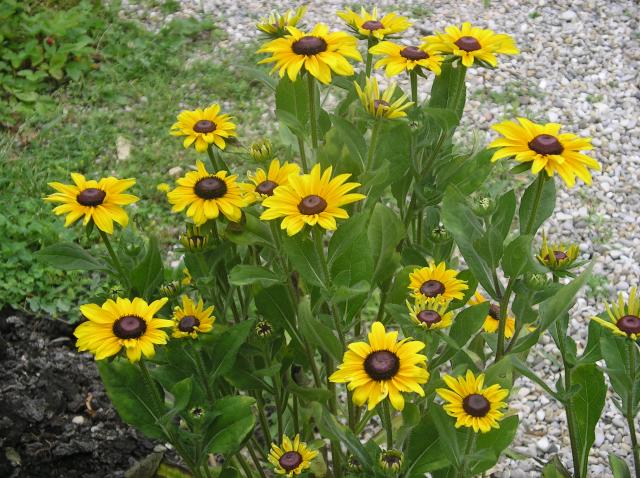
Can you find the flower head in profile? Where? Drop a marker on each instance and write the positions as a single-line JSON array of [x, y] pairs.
[[192, 319], [398, 58], [382, 106], [557, 256], [98, 201], [122, 323], [275, 25], [264, 183], [318, 52], [624, 317], [437, 281], [367, 24], [384, 367], [492, 320], [472, 44], [194, 239], [546, 148], [430, 312], [206, 195], [471, 404], [291, 458], [314, 198], [203, 127]]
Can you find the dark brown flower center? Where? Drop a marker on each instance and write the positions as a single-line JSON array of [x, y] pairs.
[[204, 126], [391, 459], [559, 255], [309, 45], [290, 460], [494, 311], [467, 44], [312, 205], [188, 323], [429, 317], [546, 144], [413, 53], [381, 365], [432, 288], [378, 103], [210, 188], [372, 25], [266, 187], [476, 405], [629, 324], [91, 197], [129, 327]]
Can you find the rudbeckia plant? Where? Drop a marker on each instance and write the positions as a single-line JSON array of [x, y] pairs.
[[349, 307]]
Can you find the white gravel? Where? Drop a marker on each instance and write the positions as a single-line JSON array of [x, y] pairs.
[[578, 67]]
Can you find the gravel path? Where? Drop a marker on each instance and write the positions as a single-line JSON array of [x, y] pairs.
[[579, 67]]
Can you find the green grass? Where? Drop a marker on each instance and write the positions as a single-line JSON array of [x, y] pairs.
[[143, 80]]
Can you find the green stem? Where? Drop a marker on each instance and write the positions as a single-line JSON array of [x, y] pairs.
[[536, 202], [631, 400], [312, 111], [255, 460], [372, 146], [212, 157], [114, 258], [244, 465], [504, 312], [570, 423], [336, 452], [388, 425], [370, 43], [413, 75], [471, 441], [156, 400], [303, 155], [296, 420], [263, 418], [207, 472], [202, 374]]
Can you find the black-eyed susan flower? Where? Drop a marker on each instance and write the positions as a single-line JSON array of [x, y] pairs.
[[546, 148], [98, 201], [203, 127], [170, 289], [207, 195], [192, 319], [384, 367], [163, 188], [367, 24], [311, 199], [264, 328], [122, 323], [291, 458], [391, 460], [398, 58], [492, 320], [265, 182], [472, 44], [319, 52], [472, 405], [437, 281], [624, 317], [194, 239], [557, 256], [275, 25], [382, 106], [430, 312]]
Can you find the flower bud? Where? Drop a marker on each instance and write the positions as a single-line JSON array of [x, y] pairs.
[[261, 151], [391, 460], [264, 329], [483, 206], [193, 240], [170, 289], [536, 281], [440, 234]]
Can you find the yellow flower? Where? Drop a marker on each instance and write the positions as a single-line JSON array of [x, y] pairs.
[[123, 323], [557, 256], [382, 106], [98, 201], [399, 58], [437, 281], [319, 52], [492, 321], [313, 198], [203, 127], [186, 277], [472, 44], [265, 182], [275, 25], [430, 312], [207, 195], [191, 319], [472, 405], [624, 318], [291, 458], [547, 148], [368, 25], [384, 367], [163, 188]]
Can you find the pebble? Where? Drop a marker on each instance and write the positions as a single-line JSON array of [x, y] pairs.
[[543, 444], [78, 420]]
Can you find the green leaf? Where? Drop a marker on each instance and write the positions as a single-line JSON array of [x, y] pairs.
[[274, 304], [316, 332], [233, 423], [292, 104], [385, 232], [447, 432], [349, 253], [527, 372], [490, 445], [333, 430], [615, 351], [310, 394], [502, 217], [555, 469], [448, 89], [69, 256], [223, 349], [591, 353], [545, 209], [304, 259], [352, 139], [128, 394], [518, 257], [619, 467], [424, 453], [586, 407], [247, 275], [559, 304], [148, 274]]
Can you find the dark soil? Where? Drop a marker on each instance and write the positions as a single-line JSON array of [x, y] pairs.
[[55, 417]]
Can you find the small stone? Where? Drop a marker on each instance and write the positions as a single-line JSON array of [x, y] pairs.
[[568, 15], [123, 148], [78, 420], [175, 171], [543, 444], [599, 439]]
